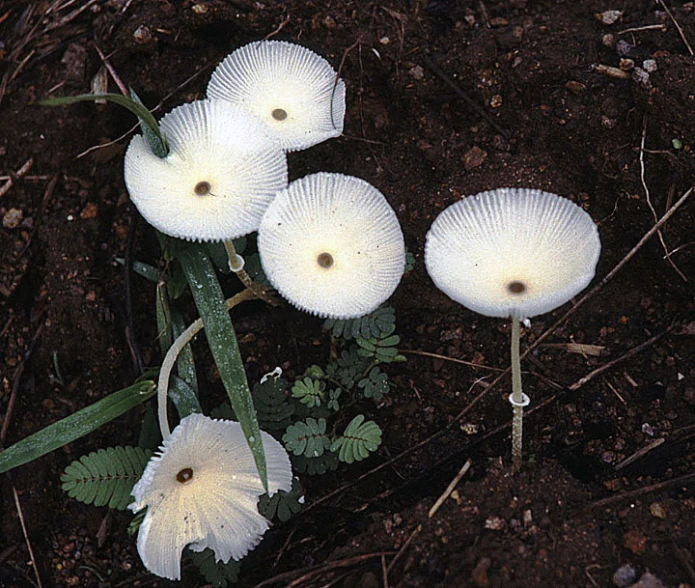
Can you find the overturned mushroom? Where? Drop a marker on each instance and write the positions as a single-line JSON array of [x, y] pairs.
[[202, 491]]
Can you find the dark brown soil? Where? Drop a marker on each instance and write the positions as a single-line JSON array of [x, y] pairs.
[[552, 121]]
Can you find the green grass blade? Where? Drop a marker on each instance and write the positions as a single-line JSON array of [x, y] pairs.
[[221, 337], [76, 425], [147, 121], [185, 363], [183, 397]]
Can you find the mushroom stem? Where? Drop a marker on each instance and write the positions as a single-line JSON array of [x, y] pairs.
[[517, 398], [236, 264], [170, 359]]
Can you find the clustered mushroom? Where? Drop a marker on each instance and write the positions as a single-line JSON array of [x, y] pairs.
[[224, 176]]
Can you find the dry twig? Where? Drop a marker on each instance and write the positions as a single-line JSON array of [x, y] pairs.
[[649, 200], [632, 352], [640, 453], [405, 546], [452, 359], [680, 30], [449, 489], [456, 88], [299, 576], [686, 479], [18, 175]]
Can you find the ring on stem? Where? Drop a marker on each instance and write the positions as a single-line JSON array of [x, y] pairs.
[[170, 359], [236, 264]]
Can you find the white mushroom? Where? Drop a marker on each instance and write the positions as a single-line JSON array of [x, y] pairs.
[[290, 88], [202, 490], [332, 245], [222, 171], [512, 252]]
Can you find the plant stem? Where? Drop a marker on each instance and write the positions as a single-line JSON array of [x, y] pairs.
[[518, 399], [172, 354], [236, 264]]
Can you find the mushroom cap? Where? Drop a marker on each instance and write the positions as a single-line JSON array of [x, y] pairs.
[[275, 77], [332, 246], [222, 171], [215, 504], [512, 252]]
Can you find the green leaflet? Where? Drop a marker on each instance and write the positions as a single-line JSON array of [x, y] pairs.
[[216, 573], [382, 349], [328, 462], [375, 385], [307, 438], [106, 476], [308, 391], [358, 440], [76, 425], [224, 346], [282, 504], [379, 323]]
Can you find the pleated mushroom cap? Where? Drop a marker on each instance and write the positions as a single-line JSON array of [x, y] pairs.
[[202, 490], [222, 171], [289, 87], [332, 246], [512, 252]]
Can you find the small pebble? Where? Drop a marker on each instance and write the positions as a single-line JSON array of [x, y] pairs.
[[474, 157], [641, 77], [608, 40], [624, 576], [575, 87], [142, 34], [494, 523], [12, 218], [496, 101], [608, 17], [417, 72], [498, 22], [649, 65], [648, 580], [626, 64], [657, 510]]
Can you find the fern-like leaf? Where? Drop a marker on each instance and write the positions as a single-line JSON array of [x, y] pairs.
[[106, 476], [328, 462], [307, 437], [380, 323], [272, 404], [282, 504], [217, 574], [381, 349], [358, 440], [375, 385], [308, 391], [349, 367]]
